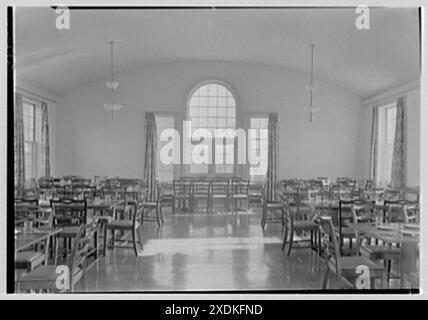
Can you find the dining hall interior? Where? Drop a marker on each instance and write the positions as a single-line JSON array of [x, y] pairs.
[[216, 149]]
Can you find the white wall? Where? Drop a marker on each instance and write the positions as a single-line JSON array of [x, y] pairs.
[[89, 143], [411, 92]]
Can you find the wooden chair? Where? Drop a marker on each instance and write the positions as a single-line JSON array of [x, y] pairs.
[[363, 211], [135, 211], [201, 191], [272, 206], [345, 268], [150, 206], [255, 193], [402, 211], [69, 215], [346, 216], [22, 215], [45, 277], [166, 196], [298, 226], [314, 193], [220, 191], [86, 191], [182, 193], [238, 193]]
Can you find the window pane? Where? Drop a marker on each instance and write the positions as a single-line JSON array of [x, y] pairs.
[[221, 123], [212, 112], [212, 123], [203, 101], [212, 101], [231, 123], [203, 91]]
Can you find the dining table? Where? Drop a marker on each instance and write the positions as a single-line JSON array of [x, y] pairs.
[[25, 239], [407, 236], [31, 212]]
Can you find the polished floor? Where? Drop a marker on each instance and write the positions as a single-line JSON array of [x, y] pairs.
[[206, 252]]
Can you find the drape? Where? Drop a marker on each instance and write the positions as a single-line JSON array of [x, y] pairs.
[[46, 166], [374, 145], [272, 155], [398, 170], [19, 144], [150, 158]]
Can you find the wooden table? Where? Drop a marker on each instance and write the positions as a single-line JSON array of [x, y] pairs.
[[100, 205], [27, 212], [396, 234], [24, 240], [103, 205]]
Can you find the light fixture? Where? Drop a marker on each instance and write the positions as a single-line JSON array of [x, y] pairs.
[[112, 86], [311, 88]]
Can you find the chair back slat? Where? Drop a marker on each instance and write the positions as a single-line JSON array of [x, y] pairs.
[[69, 212], [330, 242]]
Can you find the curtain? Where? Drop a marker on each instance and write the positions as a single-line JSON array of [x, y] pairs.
[[272, 155], [19, 144], [150, 156], [46, 166], [374, 145], [398, 156]]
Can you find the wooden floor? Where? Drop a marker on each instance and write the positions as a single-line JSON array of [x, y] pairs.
[[222, 251]]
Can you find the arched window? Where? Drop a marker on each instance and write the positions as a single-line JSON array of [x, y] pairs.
[[211, 106]]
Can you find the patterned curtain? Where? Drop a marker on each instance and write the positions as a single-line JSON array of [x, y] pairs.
[[374, 145], [45, 141], [19, 144], [150, 157], [398, 170], [272, 155]]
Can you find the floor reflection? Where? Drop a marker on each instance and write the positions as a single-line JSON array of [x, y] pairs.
[[224, 251]]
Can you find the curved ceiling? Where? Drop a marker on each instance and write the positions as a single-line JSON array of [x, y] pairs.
[[363, 61]]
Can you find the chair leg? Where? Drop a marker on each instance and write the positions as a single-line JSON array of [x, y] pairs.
[[291, 241], [264, 217], [326, 278], [161, 214], [140, 236], [105, 240], [157, 216], [312, 239], [134, 241], [388, 272], [285, 238], [113, 237]]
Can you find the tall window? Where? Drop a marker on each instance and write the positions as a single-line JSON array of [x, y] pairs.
[[32, 139], [165, 171], [387, 120], [258, 145], [213, 106]]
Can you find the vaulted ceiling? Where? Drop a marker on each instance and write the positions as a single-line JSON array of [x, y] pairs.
[[363, 61]]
